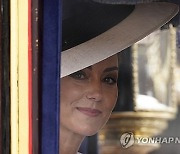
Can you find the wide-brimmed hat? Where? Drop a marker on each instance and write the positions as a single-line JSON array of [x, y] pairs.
[[93, 31]]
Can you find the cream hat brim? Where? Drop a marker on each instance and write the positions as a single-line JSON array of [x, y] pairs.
[[145, 19]]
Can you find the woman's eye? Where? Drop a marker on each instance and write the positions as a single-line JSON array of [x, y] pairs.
[[110, 80], [80, 75]]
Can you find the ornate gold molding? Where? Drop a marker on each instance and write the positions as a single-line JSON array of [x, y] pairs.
[[142, 124]]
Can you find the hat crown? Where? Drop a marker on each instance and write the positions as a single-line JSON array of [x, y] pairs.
[[85, 19]]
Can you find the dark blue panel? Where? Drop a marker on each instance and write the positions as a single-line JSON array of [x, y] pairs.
[[89, 145], [51, 47], [84, 146]]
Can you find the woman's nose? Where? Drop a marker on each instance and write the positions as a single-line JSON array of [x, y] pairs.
[[94, 92]]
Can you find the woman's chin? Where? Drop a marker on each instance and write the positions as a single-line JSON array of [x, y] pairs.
[[88, 128], [87, 131]]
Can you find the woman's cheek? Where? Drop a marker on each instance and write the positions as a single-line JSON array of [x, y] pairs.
[[111, 99], [70, 89]]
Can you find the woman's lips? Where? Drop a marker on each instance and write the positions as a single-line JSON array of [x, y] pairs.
[[89, 111]]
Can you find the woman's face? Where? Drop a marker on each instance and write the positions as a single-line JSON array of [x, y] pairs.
[[88, 97]]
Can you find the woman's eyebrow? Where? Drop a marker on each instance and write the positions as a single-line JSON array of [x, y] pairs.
[[114, 68]]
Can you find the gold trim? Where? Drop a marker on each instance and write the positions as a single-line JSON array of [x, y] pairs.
[[143, 114], [141, 124]]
